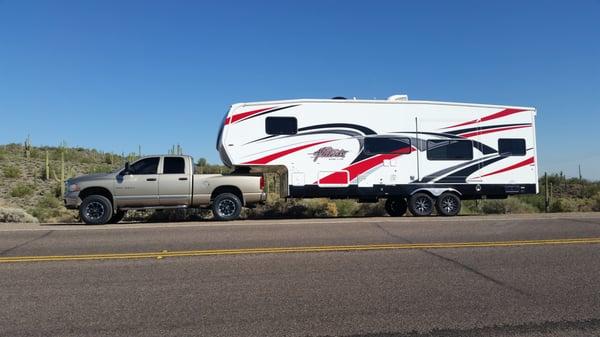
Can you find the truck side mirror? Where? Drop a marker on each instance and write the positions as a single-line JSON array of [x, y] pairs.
[[127, 169]]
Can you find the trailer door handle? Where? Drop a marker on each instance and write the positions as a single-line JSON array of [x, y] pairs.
[[182, 178], [151, 179]]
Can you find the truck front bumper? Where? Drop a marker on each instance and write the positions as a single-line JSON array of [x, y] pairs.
[[72, 200]]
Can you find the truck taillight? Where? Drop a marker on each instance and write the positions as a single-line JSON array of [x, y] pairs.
[[262, 182]]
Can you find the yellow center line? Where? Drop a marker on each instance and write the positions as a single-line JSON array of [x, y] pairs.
[[301, 249]]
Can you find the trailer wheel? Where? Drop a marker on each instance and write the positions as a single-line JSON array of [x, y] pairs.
[[95, 210], [117, 217], [226, 206], [420, 204], [448, 204], [395, 206]]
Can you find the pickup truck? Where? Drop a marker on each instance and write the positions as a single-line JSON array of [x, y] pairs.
[[160, 182]]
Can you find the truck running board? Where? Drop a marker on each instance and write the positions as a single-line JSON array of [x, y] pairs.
[[153, 207]]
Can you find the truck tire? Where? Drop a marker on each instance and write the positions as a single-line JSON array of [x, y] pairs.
[[448, 204], [421, 204], [117, 217], [226, 206], [96, 210], [395, 206]]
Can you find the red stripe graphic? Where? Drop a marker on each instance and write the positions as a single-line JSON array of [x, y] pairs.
[[483, 132], [358, 168], [243, 115], [271, 157], [499, 114], [335, 178], [512, 167]]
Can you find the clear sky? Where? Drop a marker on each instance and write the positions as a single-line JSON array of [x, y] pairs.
[[114, 74]]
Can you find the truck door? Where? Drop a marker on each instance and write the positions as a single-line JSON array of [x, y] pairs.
[[139, 186], [174, 183]]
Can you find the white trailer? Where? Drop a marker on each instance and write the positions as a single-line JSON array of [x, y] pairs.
[[420, 154]]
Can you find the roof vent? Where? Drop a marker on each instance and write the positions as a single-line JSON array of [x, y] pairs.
[[338, 97], [398, 98]]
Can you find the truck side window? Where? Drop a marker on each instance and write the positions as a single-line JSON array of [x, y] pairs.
[[145, 166], [174, 165], [386, 145], [281, 125], [511, 146], [441, 149]]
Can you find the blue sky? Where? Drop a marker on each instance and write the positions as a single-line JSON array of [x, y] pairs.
[[114, 74]]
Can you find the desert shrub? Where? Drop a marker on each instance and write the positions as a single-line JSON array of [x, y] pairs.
[[346, 207], [319, 208], [10, 214], [469, 207], [571, 205], [11, 172], [493, 207], [47, 207], [507, 206], [101, 168], [371, 209], [21, 190], [596, 202], [535, 200]]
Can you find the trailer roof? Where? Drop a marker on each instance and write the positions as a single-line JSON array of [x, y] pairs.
[[381, 101]]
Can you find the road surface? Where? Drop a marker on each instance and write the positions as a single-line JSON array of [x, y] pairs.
[[467, 276]]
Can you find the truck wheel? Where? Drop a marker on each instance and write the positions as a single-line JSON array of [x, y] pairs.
[[95, 210], [448, 204], [117, 217], [420, 204], [395, 206], [226, 206]]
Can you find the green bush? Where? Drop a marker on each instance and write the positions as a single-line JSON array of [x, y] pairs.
[[47, 207], [571, 205], [10, 214], [510, 205], [11, 172], [596, 202], [346, 207], [21, 190]]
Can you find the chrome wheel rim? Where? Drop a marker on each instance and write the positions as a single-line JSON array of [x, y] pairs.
[[94, 210], [226, 207], [423, 205], [449, 205]]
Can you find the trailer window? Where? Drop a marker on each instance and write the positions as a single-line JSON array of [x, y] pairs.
[[386, 145], [174, 165], [449, 150], [511, 146], [281, 125]]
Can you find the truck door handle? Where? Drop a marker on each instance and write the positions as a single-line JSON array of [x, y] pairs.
[[182, 178], [151, 179]]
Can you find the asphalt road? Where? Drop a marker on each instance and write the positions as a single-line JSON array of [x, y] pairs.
[[467, 276]]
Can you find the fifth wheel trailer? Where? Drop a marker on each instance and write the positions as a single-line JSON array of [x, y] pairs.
[[420, 154]]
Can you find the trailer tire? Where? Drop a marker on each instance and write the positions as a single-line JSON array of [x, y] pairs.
[[421, 204], [448, 204], [395, 206], [226, 207], [117, 217], [96, 210]]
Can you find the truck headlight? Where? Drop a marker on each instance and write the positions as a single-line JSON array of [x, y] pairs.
[[73, 188]]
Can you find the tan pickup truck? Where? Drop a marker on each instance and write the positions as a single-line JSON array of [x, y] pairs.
[[159, 182]]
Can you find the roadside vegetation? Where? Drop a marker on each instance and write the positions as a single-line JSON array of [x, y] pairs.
[[31, 186]]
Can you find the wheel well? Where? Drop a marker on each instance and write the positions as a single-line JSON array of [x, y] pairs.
[[436, 191], [96, 191], [227, 189]]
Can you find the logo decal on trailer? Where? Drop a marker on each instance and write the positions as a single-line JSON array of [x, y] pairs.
[[329, 152]]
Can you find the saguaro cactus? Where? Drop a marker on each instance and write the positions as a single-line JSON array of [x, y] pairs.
[[47, 166], [27, 147]]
